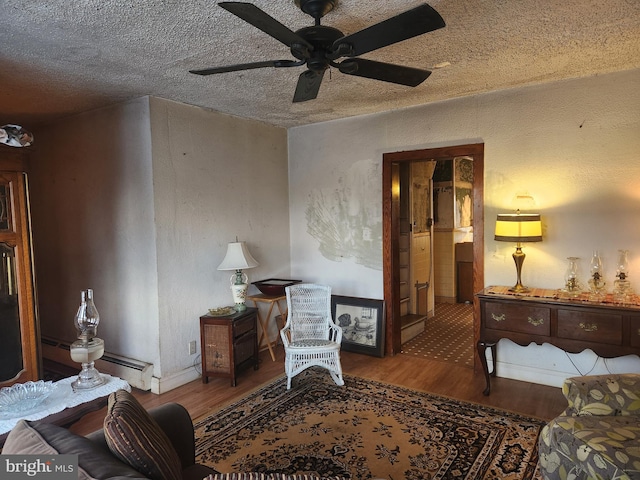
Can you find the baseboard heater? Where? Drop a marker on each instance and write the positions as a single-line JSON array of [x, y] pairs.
[[137, 373]]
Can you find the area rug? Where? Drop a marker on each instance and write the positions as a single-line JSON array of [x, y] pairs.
[[366, 430]]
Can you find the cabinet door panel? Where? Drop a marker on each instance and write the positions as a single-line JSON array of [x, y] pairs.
[[11, 358], [19, 352], [216, 349], [590, 327], [518, 318]]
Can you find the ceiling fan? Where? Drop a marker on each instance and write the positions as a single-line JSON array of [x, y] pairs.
[[320, 46]]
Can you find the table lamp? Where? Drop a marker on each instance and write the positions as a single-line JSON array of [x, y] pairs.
[[519, 228], [238, 258]]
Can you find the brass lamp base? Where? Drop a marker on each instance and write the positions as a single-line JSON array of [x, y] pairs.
[[519, 288], [518, 258]]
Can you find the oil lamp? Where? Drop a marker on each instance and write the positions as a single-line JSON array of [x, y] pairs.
[[88, 348]]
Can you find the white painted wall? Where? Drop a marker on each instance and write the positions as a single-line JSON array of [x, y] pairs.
[[93, 227], [215, 177], [572, 145], [139, 201]]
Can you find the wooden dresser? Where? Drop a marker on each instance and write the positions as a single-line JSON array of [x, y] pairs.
[[548, 316]]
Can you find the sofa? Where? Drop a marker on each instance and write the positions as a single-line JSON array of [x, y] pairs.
[[598, 436], [118, 450]]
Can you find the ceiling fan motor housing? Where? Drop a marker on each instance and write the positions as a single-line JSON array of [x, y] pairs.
[[321, 38]]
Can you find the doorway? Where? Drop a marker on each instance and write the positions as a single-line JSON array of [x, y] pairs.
[[392, 172]]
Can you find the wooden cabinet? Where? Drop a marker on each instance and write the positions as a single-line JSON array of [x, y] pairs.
[[228, 343], [20, 339], [464, 271], [608, 329]]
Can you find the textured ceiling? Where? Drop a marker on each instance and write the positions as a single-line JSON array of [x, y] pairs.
[[61, 57]]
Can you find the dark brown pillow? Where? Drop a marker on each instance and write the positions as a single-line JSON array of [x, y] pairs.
[[137, 439]]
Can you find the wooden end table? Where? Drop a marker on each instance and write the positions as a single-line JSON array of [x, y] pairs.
[[228, 342]]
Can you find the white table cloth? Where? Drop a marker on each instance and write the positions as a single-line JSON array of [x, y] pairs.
[[64, 397]]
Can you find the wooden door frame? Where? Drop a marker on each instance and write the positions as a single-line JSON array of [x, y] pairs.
[[390, 240]]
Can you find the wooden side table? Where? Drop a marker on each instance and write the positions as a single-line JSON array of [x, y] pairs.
[[228, 343], [264, 321]]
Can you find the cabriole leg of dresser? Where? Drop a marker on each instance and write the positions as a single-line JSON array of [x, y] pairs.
[[482, 352]]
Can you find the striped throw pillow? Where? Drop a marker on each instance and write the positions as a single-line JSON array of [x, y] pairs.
[[137, 439]]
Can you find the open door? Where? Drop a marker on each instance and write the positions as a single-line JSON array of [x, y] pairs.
[[391, 221]]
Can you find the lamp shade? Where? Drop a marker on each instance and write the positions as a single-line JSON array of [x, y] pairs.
[[237, 257], [518, 227]]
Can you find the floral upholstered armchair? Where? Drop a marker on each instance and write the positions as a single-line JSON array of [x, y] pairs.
[[598, 436]]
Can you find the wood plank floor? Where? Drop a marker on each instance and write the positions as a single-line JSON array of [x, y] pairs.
[[416, 373]]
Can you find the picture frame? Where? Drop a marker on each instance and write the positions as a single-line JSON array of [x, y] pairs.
[[362, 321]]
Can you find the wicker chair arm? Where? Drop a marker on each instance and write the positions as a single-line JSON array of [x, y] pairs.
[[335, 332], [285, 335]]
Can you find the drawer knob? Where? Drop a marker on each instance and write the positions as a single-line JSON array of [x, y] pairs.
[[536, 322], [499, 318], [589, 327]]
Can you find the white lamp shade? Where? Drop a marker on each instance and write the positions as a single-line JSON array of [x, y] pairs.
[[237, 258], [518, 227]]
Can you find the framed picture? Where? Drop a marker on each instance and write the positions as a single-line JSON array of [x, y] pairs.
[[362, 323]]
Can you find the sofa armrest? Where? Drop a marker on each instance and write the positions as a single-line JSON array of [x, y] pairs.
[[176, 422], [603, 395]]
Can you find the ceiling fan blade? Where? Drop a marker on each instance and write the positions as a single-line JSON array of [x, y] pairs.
[[409, 24], [308, 86], [265, 22], [386, 72], [247, 66]]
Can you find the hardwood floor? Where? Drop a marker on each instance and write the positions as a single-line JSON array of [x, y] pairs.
[[416, 373]]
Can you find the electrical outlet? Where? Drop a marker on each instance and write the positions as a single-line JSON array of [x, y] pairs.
[[192, 347]]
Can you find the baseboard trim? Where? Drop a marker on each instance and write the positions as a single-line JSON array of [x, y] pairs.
[[174, 380], [532, 375], [136, 372]]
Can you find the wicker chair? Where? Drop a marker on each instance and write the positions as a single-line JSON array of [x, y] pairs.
[[310, 337]]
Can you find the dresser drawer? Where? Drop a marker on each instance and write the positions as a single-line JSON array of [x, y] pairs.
[[244, 348], [634, 333], [590, 327], [534, 320], [242, 326]]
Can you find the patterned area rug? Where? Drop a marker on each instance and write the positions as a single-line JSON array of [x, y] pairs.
[[366, 430], [448, 336]]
